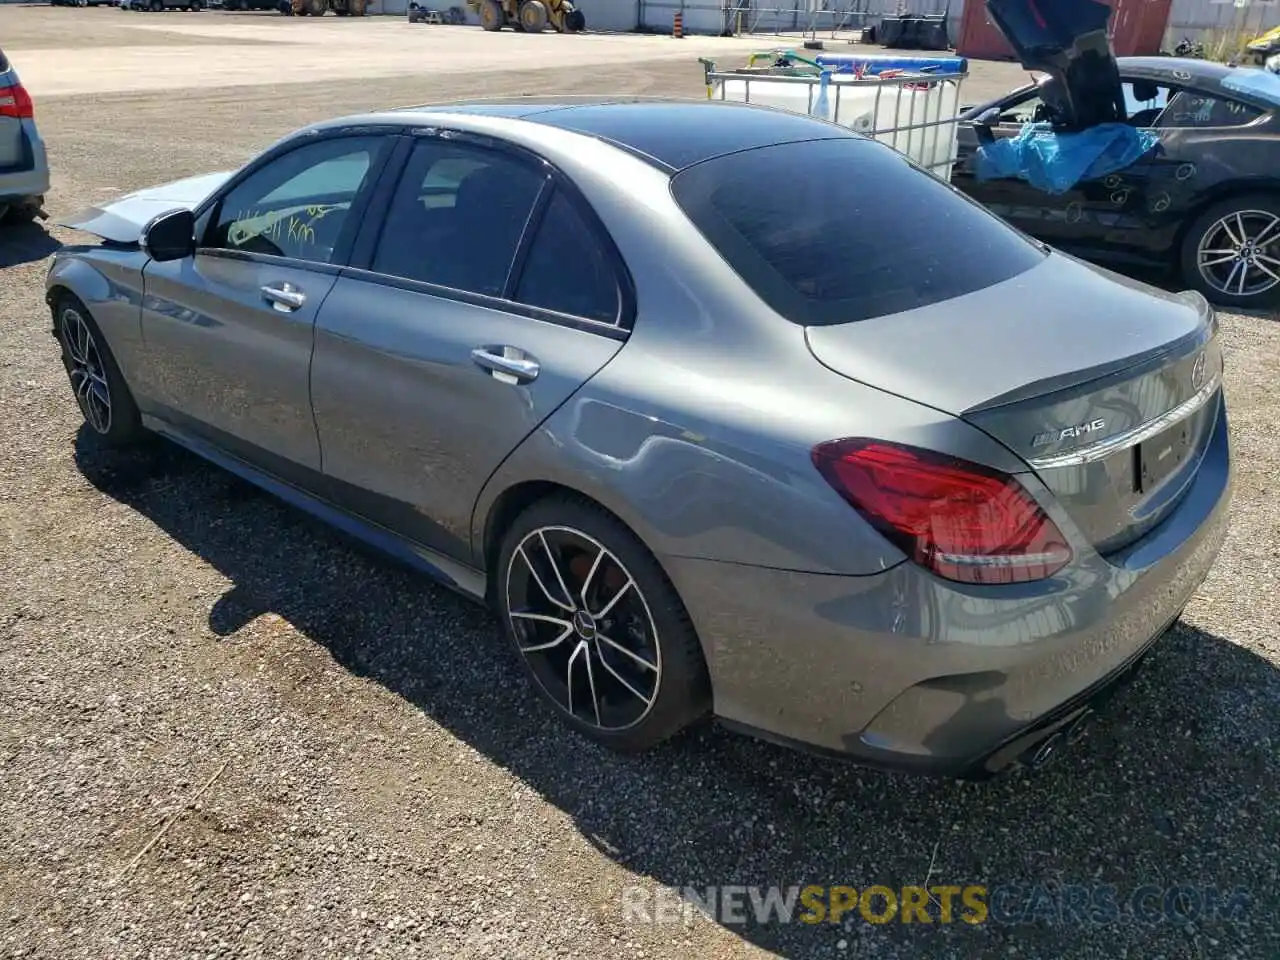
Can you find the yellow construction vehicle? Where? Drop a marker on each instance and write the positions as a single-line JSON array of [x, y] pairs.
[[531, 16], [318, 8]]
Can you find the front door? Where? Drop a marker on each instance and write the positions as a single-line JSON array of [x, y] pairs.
[[1045, 216], [228, 332], [1109, 213], [490, 298]]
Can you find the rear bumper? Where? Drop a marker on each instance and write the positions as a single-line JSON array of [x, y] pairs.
[[32, 179], [906, 671]]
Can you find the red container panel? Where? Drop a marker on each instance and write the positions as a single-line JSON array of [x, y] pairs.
[[1137, 29]]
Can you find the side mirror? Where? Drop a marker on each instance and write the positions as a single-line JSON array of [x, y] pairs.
[[170, 236], [989, 117]]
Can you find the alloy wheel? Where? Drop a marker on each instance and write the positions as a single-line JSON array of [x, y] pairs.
[[1239, 254], [88, 374], [583, 627]]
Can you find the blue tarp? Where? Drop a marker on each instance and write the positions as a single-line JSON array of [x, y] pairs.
[[1056, 162]]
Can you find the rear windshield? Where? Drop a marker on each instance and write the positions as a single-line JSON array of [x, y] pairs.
[[831, 231], [4, 63]]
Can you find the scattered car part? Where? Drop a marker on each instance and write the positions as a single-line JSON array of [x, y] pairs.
[[1189, 48]]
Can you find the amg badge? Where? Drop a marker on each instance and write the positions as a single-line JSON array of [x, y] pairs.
[[1066, 433]]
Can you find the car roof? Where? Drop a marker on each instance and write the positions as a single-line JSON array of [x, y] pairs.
[[1207, 74], [670, 133]]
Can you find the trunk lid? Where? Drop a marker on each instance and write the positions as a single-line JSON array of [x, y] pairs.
[[122, 220], [1106, 388], [1068, 41]]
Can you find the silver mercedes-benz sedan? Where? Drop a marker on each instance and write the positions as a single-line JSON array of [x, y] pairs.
[[723, 410]]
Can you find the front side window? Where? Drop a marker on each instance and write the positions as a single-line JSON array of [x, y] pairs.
[[853, 230], [1030, 109], [297, 205], [457, 217], [1144, 101]]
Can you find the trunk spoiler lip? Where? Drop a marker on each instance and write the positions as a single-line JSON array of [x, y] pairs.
[[1122, 368]]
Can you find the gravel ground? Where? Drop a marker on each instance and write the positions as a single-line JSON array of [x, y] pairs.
[[338, 759]]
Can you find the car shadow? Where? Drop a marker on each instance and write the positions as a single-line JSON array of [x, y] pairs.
[[25, 243], [1177, 783]]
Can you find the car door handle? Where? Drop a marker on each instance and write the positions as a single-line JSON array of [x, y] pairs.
[[522, 368], [285, 297]]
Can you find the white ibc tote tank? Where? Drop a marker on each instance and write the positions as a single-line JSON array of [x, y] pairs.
[[914, 115]]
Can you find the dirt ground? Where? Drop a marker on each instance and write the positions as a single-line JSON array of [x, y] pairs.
[[226, 733]]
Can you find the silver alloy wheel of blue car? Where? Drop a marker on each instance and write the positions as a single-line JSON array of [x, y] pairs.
[[584, 628], [88, 374], [1240, 253]]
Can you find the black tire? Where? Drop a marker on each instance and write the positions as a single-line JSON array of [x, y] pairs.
[[533, 16], [575, 22], [197, 6], [157, 6], [677, 696], [1206, 230], [491, 16], [124, 426], [22, 212]]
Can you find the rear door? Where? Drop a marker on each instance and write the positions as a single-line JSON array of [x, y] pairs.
[[1111, 215], [488, 295], [228, 332]]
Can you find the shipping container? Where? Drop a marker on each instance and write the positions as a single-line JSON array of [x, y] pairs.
[[1137, 28]]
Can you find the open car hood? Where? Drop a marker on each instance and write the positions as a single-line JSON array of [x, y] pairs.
[[122, 220], [1066, 39]]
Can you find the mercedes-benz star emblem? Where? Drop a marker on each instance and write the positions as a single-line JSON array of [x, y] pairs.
[[585, 625]]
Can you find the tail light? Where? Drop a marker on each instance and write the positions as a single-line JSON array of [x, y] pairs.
[[963, 521], [16, 102]]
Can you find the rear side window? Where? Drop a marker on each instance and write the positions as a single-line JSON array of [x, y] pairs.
[[4, 62], [457, 217], [1191, 109], [832, 231], [566, 269]]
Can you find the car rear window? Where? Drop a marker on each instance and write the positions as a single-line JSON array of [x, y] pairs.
[[4, 62], [832, 231]]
